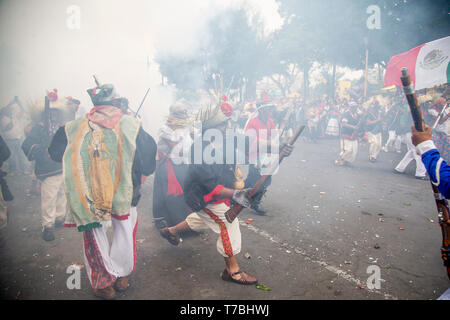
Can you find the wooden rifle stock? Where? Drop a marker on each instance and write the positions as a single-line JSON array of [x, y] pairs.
[[441, 202], [412, 100], [234, 211]]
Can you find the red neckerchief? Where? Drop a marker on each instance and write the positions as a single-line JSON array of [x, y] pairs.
[[105, 116], [257, 124]]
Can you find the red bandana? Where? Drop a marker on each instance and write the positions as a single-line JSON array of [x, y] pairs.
[[105, 116]]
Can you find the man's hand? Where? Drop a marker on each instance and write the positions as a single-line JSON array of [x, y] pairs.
[[241, 197], [287, 149], [419, 137]]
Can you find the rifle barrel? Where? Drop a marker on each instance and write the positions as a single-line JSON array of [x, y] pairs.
[[97, 83], [439, 117], [142, 102], [233, 212]]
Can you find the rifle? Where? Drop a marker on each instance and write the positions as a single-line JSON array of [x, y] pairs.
[[234, 211], [97, 83], [142, 102], [440, 115], [441, 203]]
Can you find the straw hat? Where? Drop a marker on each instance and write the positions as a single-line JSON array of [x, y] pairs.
[[213, 116]]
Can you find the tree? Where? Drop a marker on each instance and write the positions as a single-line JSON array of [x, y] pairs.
[[234, 56], [338, 31]]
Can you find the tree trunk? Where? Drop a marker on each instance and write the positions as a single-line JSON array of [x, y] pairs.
[[279, 85], [306, 82], [250, 90]]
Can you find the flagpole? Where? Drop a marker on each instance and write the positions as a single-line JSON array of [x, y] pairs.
[[365, 73], [366, 42]]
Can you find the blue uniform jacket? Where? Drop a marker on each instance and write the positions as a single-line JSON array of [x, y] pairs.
[[437, 168]]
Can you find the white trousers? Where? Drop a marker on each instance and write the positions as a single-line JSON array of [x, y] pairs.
[[395, 140], [349, 150], [105, 263], [374, 144], [411, 155], [53, 200], [229, 242]]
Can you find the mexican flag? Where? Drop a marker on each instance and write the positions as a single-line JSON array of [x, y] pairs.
[[428, 65]]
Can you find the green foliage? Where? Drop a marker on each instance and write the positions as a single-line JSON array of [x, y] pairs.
[[332, 32], [234, 55], [338, 27]]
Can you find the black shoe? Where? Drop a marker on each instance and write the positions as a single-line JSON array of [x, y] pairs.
[[258, 211], [48, 235]]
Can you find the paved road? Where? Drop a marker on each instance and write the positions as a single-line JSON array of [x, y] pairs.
[[317, 241]]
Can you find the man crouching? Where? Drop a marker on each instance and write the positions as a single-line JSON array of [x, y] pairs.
[[209, 190]]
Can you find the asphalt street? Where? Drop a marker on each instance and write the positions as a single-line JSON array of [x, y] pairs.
[[330, 233]]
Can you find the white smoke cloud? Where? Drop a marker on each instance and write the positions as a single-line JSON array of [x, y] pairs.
[[116, 41]]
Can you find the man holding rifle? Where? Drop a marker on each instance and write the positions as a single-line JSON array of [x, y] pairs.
[[432, 158], [47, 171], [421, 138], [350, 123], [434, 162], [440, 112], [259, 129], [436, 166], [209, 189]]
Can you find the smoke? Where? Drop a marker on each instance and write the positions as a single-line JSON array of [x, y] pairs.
[[50, 44]]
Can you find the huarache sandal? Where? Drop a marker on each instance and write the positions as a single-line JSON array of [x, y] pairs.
[[173, 239], [107, 293], [245, 277], [121, 284]]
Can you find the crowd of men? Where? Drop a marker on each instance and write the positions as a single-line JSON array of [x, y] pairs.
[[383, 122], [94, 163]]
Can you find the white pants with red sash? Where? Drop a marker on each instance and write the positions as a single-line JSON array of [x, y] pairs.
[[229, 241], [105, 263]]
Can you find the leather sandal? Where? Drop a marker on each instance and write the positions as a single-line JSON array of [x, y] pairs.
[[107, 293], [173, 239], [121, 284], [245, 277]]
